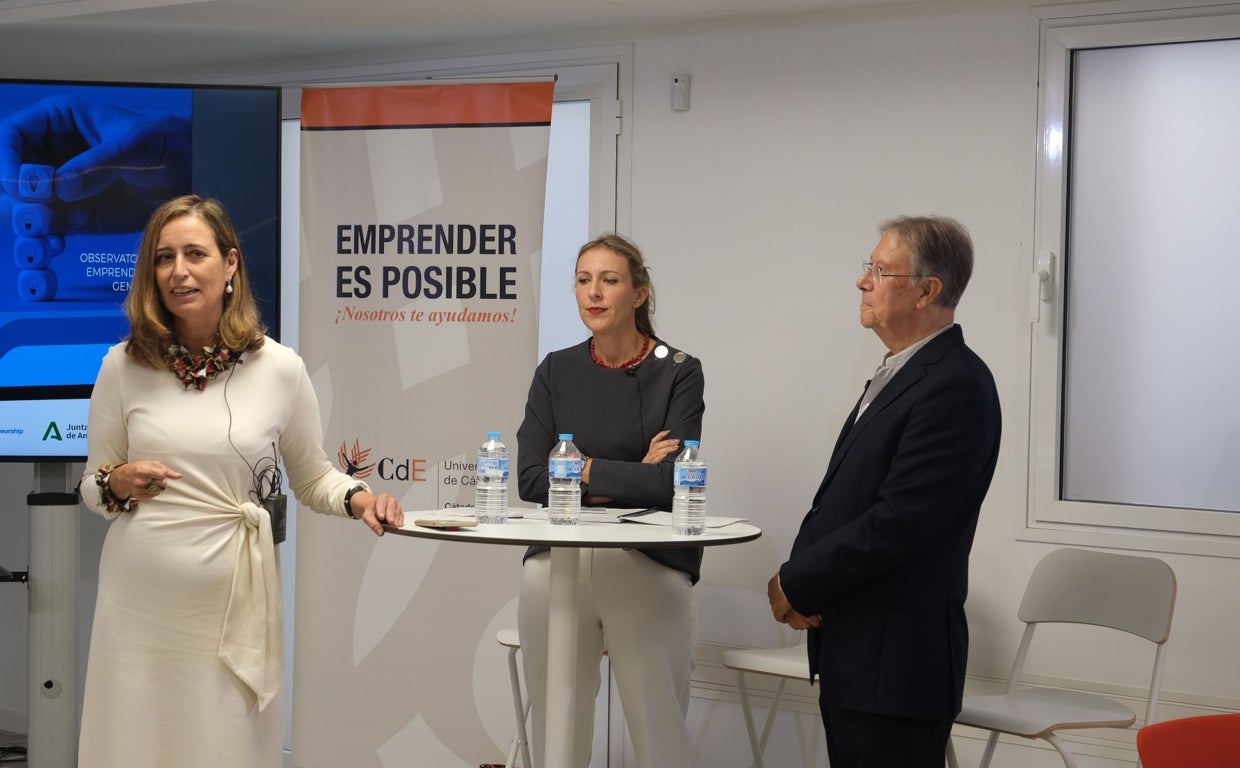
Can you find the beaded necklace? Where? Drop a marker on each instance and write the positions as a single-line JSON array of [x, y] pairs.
[[196, 370], [632, 361]]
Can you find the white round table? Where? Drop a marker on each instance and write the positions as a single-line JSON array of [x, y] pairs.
[[564, 540]]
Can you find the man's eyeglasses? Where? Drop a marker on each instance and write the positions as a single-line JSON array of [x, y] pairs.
[[878, 273]]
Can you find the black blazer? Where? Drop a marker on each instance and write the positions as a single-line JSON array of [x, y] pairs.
[[883, 553]]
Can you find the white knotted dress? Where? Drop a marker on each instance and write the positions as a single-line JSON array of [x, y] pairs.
[[186, 657]]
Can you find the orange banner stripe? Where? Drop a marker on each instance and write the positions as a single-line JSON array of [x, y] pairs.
[[392, 106]]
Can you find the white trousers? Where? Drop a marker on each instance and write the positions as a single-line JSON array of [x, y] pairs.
[[644, 614]]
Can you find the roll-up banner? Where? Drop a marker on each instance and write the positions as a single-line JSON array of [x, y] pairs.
[[421, 236]]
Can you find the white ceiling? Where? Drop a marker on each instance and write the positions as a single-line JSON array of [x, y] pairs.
[[174, 39]]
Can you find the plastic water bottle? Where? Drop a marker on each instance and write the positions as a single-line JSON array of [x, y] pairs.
[[564, 492], [689, 491], [491, 491]]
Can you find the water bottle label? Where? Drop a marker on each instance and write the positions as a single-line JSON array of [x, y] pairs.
[[493, 467], [565, 469], [691, 477]]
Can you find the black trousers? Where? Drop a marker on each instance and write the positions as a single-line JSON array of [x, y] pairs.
[[869, 740]]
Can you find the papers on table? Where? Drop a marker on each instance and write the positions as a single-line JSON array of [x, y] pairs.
[[588, 514], [630, 515], [659, 517]]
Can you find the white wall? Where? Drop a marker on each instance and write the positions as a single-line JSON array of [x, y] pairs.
[[755, 208], [758, 205]]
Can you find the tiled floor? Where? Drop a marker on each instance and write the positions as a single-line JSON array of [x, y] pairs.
[[12, 750]]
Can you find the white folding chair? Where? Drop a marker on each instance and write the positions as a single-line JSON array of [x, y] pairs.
[[509, 638], [789, 663], [1131, 594]]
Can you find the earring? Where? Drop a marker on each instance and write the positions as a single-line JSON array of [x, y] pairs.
[[228, 286]]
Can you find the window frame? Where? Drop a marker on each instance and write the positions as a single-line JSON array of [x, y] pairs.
[[1048, 517]]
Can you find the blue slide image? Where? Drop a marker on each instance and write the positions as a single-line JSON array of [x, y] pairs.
[[84, 166]]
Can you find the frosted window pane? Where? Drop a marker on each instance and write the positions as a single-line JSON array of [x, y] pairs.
[[1151, 354]]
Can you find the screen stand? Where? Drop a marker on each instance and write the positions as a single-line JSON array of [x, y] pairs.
[[52, 668]]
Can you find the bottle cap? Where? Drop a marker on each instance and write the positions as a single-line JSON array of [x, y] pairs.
[[493, 435], [566, 436], [694, 443]]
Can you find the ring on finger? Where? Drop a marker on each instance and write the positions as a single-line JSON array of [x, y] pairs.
[[152, 487]]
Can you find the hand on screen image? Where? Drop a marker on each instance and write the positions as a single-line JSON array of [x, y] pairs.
[[113, 164]]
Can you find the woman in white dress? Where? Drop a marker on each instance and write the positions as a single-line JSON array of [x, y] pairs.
[[188, 422]]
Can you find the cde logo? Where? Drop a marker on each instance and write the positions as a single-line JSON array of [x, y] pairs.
[[354, 463]]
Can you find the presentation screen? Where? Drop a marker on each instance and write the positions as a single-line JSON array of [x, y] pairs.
[[82, 165]]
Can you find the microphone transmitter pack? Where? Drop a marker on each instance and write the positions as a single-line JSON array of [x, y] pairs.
[[277, 508]]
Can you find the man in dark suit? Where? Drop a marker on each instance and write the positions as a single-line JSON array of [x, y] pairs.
[[879, 570]]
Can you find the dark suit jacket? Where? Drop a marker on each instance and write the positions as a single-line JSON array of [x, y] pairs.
[[883, 554]]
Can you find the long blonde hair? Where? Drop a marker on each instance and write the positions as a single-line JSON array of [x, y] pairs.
[[151, 324]]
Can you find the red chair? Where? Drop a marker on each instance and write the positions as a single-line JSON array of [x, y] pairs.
[[1207, 741]]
